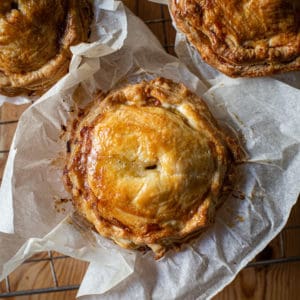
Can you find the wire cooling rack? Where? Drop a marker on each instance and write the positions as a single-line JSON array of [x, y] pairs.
[[283, 249]]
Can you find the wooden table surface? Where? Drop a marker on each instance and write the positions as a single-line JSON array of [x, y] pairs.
[[272, 281]]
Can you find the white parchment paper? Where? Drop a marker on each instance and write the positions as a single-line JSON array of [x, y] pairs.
[[264, 111], [108, 31]]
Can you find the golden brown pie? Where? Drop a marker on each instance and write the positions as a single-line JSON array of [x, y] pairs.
[[242, 37], [146, 165], [35, 40]]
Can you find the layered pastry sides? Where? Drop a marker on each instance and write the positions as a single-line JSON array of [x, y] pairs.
[[146, 165], [242, 38], [35, 41]]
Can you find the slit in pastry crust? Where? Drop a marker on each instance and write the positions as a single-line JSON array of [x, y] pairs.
[[147, 165]]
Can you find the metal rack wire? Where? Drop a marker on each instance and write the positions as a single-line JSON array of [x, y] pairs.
[[55, 288], [265, 259]]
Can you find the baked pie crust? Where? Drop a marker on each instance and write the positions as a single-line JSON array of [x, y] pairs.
[[146, 165], [35, 40], [242, 37]]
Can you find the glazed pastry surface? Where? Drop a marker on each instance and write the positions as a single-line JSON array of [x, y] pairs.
[[35, 40], [242, 37], [147, 165]]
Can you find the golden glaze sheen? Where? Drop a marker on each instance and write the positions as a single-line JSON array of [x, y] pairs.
[[243, 37], [147, 164], [35, 40]]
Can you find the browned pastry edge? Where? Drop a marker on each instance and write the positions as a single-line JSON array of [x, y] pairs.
[[155, 93], [77, 29], [231, 64]]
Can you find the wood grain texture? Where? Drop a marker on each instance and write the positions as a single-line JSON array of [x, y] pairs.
[[6, 133], [10, 112], [3, 158], [33, 275], [70, 271], [276, 282]]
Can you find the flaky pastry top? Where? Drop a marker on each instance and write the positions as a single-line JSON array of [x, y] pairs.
[[242, 37], [147, 164], [35, 40]]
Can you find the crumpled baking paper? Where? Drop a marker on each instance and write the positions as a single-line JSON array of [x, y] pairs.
[[108, 31], [265, 112]]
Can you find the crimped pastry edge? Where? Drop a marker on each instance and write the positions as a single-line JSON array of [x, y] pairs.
[[37, 82], [159, 245], [201, 43]]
